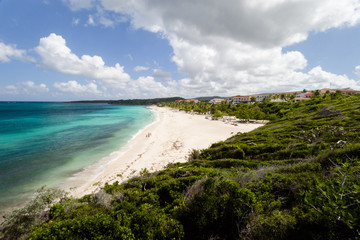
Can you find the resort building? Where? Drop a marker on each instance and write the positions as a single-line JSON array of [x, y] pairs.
[[217, 100], [298, 99], [261, 97], [240, 99], [342, 90], [282, 96], [247, 99]]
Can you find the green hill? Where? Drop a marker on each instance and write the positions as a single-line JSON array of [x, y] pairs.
[[295, 178]]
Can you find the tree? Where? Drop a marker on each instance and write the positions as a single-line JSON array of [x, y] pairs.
[[291, 97], [282, 96], [218, 114], [316, 94]]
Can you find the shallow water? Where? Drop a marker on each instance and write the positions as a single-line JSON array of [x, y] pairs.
[[46, 143]]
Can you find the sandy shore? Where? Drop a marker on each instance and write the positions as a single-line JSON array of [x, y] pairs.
[[173, 135]]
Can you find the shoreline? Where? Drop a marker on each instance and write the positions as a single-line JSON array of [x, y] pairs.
[[168, 139]]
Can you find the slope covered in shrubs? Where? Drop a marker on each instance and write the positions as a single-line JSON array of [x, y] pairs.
[[295, 178]]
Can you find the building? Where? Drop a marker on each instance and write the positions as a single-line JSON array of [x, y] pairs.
[[342, 90], [240, 99], [299, 95], [217, 100], [298, 99], [247, 99], [260, 97]]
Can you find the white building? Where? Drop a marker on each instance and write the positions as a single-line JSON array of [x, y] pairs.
[[217, 100]]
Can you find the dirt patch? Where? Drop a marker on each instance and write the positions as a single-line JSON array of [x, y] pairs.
[[328, 111]]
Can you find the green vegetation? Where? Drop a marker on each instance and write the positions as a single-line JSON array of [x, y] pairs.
[[294, 178], [259, 110]]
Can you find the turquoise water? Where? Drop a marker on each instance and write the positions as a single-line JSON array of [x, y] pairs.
[[46, 143]]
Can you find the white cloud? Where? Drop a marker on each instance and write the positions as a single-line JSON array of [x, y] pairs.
[[104, 19], [76, 5], [91, 20], [7, 52], [140, 68], [162, 76], [25, 88], [252, 22], [232, 47], [98, 17], [130, 57], [147, 87], [223, 47], [75, 21], [56, 56], [320, 78], [112, 82], [75, 87], [357, 71]]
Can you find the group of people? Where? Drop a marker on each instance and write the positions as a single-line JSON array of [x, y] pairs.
[[148, 135]]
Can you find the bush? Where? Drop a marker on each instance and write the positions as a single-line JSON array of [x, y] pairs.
[[277, 225], [99, 226], [215, 208], [194, 155], [223, 151], [34, 213]]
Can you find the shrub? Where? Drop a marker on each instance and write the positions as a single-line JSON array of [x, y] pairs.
[[276, 225], [194, 155], [215, 208], [223, 151], [34, 213], [99, 226]]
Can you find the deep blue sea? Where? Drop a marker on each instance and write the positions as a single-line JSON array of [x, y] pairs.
[[46, 143]]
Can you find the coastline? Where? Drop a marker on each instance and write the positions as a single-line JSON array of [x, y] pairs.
[[168, 139]]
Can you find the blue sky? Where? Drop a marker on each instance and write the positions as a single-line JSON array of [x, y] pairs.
[[113, 49]]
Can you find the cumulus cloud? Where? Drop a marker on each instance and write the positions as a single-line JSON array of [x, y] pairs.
[[26, 88], [110, 82], [162, 75], [56, 56], [252, 22], [75, 87], [7, 52], [322, 79], [223, 47], [148, 87], [233, 47]]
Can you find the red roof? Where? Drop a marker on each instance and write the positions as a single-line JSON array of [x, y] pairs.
[[242, 97], [348, 90]]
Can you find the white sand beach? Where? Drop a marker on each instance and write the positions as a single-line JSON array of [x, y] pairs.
[[169, 139]]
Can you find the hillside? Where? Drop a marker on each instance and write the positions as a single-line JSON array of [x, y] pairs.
[[150, 101], [294, 178]]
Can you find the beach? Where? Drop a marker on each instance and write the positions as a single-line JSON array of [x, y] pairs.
[[169, 139]]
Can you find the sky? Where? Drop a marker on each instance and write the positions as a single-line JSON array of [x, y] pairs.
[[61, 50]]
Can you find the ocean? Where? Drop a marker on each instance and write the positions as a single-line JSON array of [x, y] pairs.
[[47, 143]]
